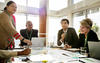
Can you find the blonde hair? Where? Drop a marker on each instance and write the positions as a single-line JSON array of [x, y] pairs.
[[86, 22]]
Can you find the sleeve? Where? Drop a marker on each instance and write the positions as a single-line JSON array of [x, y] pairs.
[[81, 40], [58, 40], [7, 54], [21, 32], [94, 37], [75, 39], [36, 33], [8, 27]]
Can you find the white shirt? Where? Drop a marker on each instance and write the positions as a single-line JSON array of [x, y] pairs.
[[65, 34]]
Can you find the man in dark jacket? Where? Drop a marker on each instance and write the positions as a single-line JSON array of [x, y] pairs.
[[67, 35], [28, 33]]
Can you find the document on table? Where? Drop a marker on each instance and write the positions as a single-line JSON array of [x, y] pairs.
[[41, 57]]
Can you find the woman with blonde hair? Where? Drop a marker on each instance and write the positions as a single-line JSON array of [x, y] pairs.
[[86, 34]]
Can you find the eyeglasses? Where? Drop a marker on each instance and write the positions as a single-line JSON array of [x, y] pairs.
[[29, 24]]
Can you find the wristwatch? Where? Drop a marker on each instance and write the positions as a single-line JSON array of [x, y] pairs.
[[22, 40]]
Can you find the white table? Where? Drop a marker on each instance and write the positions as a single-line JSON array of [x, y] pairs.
[[53, 55]]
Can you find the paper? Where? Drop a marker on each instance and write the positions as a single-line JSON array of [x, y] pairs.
[[73, 49], [41, 57]]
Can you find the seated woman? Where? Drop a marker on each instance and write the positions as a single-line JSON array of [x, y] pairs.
[[86, 34], [67, 36]]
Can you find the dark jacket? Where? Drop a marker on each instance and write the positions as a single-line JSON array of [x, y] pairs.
[[71, 37], [91, 36], [28, 35]]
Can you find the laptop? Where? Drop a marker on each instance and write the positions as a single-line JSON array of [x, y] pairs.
[[38, 42], [94, 49]]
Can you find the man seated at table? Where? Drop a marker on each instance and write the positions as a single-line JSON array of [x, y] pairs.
[[67, 36], [28, 33]]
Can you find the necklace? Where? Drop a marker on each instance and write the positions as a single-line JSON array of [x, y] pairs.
[[29, 35], [86, 41]]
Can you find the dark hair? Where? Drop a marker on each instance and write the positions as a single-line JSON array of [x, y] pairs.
[[65, 20], [9, 3]]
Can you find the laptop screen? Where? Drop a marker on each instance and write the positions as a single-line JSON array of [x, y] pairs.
[[38, 42], [94, 49]]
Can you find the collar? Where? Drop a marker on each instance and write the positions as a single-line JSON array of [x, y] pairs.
[[28, 30], [65, 31], [7, 13]]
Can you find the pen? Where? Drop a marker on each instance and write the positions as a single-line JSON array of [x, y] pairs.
[[82, 57], [65, 54], [81, 61]]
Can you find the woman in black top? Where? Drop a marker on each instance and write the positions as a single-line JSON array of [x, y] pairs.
[[86, 34]]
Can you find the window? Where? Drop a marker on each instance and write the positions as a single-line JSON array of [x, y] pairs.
[[53, 27], [20, 2], [1, 11], [2, 0], [94, 14], [34, 3], [35, 20], [20, 21], [76, 1], [57, 4], [77, 17]]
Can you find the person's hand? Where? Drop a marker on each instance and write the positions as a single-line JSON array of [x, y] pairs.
[[66, 46], [62, 36], [28, 42], [20, 44], [25, 52]]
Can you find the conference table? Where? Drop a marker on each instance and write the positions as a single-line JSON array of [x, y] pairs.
[[53, 55]]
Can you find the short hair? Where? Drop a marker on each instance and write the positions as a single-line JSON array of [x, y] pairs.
[[9, 3], [28, 22], [65, 20], [87, 22]]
